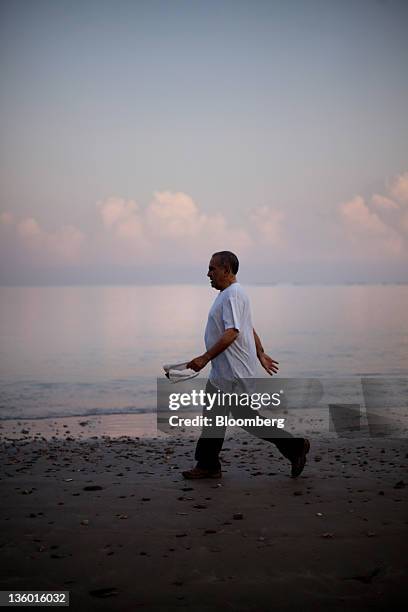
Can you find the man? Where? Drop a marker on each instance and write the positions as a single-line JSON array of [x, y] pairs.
[[233, 347]]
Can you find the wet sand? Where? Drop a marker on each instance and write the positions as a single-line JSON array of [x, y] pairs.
[[110, 519]]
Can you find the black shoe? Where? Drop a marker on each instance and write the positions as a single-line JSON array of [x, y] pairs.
[[299, 463]]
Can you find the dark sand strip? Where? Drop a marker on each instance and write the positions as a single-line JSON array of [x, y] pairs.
[[111, 520]]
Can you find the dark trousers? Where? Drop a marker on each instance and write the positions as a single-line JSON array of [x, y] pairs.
[[212, 437]]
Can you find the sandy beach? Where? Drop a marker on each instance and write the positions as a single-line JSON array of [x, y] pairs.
[[97, 506]]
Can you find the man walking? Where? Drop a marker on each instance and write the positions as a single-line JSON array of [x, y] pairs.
[[233, 347]]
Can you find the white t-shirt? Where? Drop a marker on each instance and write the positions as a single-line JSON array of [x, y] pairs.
[[231, 309]]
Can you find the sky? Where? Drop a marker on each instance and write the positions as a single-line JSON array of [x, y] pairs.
[[138, 137]]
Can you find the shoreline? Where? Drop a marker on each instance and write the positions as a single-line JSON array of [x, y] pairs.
[[141, 425]]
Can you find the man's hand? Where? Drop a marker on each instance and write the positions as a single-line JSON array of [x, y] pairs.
[[198, 363], [269, 364]]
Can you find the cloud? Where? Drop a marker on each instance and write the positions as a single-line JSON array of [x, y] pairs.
[[358, 216], [6, 218], [399, 188], [174, 215], [122, 217], [368, 231], [404, 222], [117, 211], [268, 225], [173, 230], [29, 228], [62, 245], [124, 239], [169, 215], [383, 203], [170, 229], [379, 229]]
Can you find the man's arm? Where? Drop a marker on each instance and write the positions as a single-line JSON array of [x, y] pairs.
[[227, 338], [258, 344], [269, 364]]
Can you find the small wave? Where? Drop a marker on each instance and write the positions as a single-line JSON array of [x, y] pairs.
[[78, 413]]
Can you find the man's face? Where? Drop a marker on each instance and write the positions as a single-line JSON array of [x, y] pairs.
[[217, 274]]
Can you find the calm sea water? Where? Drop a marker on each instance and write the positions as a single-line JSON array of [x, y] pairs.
[[98, 350]]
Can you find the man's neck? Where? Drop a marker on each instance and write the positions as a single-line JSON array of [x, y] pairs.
[[231, 282]]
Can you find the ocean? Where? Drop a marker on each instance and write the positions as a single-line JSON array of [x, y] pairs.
[[76, 350]]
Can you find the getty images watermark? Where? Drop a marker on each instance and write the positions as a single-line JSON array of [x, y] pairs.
[[270, 407], [218, 403]]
